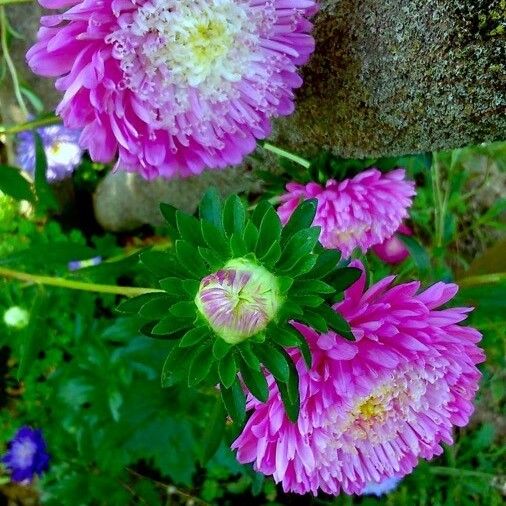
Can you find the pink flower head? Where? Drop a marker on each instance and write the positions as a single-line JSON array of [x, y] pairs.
[[173, 86], [370, 408], [358, 212], [393, 250]]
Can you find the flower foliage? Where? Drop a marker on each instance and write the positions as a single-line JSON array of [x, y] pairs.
[[27, 455], [230, 286], [173, 86], [370, 409]]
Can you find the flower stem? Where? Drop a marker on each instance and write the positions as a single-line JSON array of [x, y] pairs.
[[439, 210], [286, 154], [128, 291], [10, 2], [9, 62], [29, 125], [484, 279]]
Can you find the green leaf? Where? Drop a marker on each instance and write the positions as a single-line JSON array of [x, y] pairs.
[[234, 401], [249, 357], [175, 366], [157, 307], [325, 264], [213, 259], [298, 246], [284, 338], [215, 430], [303, 266], [255, 381], [417, 252], [315, 321], [194, 336], [238, 245], [234, 216], [250, 236], [210, 208], [342, 279], [134, 305], [200, 366], [227, 370], [45, 195], [170, 325], [291, 408], [191, 287], [215, 239], [269, 232], [162, 264], [307, 300], [189, 228], [275, 360], [259, 212], [171, 285], [169, 213], [301, 218], [184, 309], [336, 322], [273, 255], [221, 348], [189, 258], [302, 343], [13, 183], [307, 286]]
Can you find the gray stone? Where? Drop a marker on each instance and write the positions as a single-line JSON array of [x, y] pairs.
[[125, 201]]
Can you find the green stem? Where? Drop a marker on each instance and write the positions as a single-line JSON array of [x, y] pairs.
[[10, 63], [484, 279], [453, 471], [286, 154], [128, 291], [10, 2], [29, 125], [439, 211]]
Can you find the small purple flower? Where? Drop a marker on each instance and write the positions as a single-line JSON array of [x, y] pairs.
[[239, 300], [75, 265], [27, 455], [61, 146], [383, 487]]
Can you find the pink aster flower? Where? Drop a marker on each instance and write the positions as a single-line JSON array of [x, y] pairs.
[[393, 250], [357, 212], [370, 409], [173, 86]]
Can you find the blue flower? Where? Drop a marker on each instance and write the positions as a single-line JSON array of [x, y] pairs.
[[383, 487], [61, 147], [27, 455]]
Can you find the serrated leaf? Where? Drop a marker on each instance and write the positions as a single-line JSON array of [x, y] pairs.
[[255, 381], [336, 322], [200, 365], [298, 246], [235, 402], [249, 357], [341, 279], [133, 305], [189, 228], [234, 216], [184, 309], [157, 307], [215, 239], [302, 218], [215, 430], [275, 360], [269, 232], [227, 370], [175, 366], [194, 336], [221, 348], [327, 261], [250, 236], [258, 213], [170, 325], [210, 208], [13, 183], [189, 258], [272, 256]]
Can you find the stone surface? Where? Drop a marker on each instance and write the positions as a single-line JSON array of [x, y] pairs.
[[125, 201], [401, 76]]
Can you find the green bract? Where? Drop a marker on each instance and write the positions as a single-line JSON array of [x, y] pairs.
[[224, 323]]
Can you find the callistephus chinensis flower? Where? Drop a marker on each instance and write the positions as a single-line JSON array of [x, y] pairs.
[[61, 147], [393, 250], [27, 455], [355, 213], [370, 409], [173, 86]]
